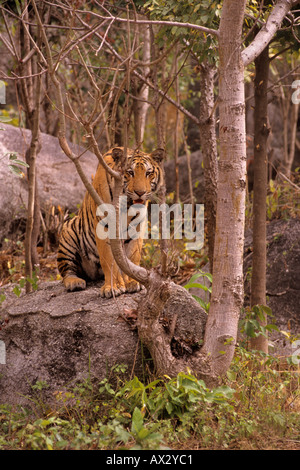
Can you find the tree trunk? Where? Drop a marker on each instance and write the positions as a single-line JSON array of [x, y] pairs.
[[227, 288], [176, 136], [261, 133], [209, 151], [161, 333], [31, 97], [291, 143], [141, 105], [31, 257]]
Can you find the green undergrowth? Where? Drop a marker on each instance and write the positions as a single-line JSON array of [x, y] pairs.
[[282, 202], [256, 407]]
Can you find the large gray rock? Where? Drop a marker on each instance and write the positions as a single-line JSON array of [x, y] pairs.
[[60, 337]]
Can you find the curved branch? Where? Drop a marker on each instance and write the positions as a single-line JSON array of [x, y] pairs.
[[197, 27], [62, 133], [267, 32]]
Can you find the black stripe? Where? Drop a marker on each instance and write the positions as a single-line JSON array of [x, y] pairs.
[[76, 240], [88, 236], [63, 247], [67, 262]]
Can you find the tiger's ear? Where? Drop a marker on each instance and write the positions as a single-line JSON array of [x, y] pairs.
[[158, 155], [117, 153]]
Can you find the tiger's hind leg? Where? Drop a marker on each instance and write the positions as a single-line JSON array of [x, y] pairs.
[[72, 283], [68, 257]]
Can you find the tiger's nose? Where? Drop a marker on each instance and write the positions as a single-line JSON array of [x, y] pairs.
[[139, 193]]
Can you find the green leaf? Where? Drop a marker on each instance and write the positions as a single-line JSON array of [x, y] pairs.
[[272, 327], [259, 312], [249, 329], [14, 158], [169, 407], [231, 375], [267, 310], [18, 7], [200, 274], [201, 302], [143, 433], [17, 291], [197, 284], [137, 420], [122, 434], [20, 162], [16, 170], [225, 391]]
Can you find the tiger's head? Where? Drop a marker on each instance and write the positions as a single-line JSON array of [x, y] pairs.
[[143, 176]]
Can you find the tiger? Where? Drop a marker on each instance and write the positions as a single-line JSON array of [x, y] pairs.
[[82, 255]]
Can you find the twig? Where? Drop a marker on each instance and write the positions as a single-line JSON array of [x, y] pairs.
[[62, 134], [145, 80], [203, 29], [23, 77], [288, 180]]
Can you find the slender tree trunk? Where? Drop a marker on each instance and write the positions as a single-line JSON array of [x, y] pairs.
[[160, 124], [189, 173], [31, 97], [209, 151], [285, 109], [33, 149], [291, 145], [176, 137], [30, 235], [140, 105], [261, 133], [227, 288]]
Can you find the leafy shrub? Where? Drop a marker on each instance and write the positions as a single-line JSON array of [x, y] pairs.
[[257, 406]]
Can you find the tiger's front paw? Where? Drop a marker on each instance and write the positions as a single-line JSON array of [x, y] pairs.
[[109, 291], [74, 283], [133, 286]]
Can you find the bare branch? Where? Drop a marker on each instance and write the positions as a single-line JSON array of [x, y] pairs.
[[8, 46], [8, 29], [267, 32], [21, 77], [62, 132], [203, 29], [148, 82], [123, 61]]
